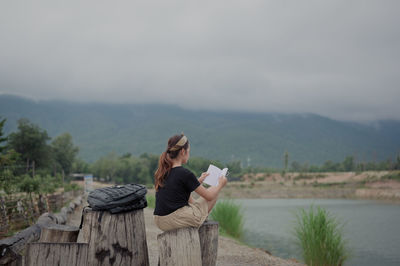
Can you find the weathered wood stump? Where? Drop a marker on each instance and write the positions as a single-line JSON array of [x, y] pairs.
[[179, 247], [12, 247], [59, 233], [62, 254], [208, 234], [115, 239]]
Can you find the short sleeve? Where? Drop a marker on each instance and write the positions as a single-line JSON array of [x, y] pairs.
[[190, 181]]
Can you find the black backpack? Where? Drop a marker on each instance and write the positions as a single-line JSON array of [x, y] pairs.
[[118, 199]]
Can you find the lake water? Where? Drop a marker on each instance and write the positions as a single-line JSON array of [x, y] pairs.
[[371, 228]]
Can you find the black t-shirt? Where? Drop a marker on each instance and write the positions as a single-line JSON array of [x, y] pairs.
[[176, 191]]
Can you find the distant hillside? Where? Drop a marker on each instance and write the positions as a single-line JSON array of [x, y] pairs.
[[258, 139]]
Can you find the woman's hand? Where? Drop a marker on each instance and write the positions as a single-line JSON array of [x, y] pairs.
[[222, 181], [202, 177]]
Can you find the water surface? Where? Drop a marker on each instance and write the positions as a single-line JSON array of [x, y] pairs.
[[372, 228]]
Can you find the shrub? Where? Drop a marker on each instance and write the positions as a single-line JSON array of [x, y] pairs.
[[71, 187], [230, 218], [303, 176], [151, 201], [319, 236], [392, 176]]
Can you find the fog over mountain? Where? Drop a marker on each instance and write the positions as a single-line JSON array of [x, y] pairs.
[[335, 58], [253, 138]]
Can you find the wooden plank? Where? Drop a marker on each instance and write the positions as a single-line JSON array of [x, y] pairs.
[[59, 233], [10, 248]]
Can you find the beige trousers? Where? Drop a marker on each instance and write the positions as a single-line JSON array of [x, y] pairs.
[[192, 215]]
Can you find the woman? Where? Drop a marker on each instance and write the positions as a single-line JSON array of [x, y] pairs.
[[175, 207]]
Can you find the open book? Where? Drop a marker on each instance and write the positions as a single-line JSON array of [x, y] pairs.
[[214, 174]]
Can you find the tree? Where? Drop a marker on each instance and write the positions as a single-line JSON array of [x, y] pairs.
[[106, 167], [31, 142], [397, 165], [8, 160], [348, 164], [80, 166], [234, 167], [286, 158], [64, 152], [8, 179], [295, 166], [2, 139]]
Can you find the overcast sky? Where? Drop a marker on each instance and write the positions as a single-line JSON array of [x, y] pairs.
[[339, 59]]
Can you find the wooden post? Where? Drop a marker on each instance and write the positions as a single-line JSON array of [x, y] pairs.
[[62, 254], [59, 233], [208, 234], [180, 247], [115, 239]]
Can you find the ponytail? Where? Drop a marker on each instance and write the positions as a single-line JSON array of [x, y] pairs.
[[175, 145], [164, 166]]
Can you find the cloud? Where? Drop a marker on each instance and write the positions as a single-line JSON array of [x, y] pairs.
[[335, 58]]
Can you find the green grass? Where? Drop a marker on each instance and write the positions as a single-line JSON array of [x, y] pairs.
[[230, 218], [151, 201], [71, 187], [303, 176], [328, 185], [392, 176], [320, 237]]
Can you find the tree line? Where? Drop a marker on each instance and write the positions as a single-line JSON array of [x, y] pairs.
[[348, 164], [32, 161]]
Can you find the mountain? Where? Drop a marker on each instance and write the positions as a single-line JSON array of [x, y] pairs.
[[254, 138]]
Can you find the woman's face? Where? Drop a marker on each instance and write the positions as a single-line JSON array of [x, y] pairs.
[[186, 155]]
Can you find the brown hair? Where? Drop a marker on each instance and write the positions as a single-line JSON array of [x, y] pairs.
[[165, 162]]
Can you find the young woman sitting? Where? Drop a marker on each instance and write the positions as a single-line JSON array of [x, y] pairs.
[[175, 207]]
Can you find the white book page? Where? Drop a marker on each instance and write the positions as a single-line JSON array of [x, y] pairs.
[[224, 171], [214, 175]]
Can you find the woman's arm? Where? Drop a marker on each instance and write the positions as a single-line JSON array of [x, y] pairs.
[[191, 200], [212, 192]]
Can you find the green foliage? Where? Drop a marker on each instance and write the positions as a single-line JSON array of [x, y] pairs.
[[199, 165], [320, 237], [72, 187], [151, 201], [303, 176], [286, 160], [125, 169], [49, 184], [8, 178], [39, 184], [29, 185], [31, 142], [230, 218], [2, 139], [395, 175], [348, 164], [224, 136], [80, 166], [235, 168], [64, 152]]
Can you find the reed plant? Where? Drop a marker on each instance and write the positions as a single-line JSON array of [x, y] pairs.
[[320, 237], [230, 218], [151, 201]]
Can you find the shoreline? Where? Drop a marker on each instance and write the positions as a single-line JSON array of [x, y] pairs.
[[338, 185]]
